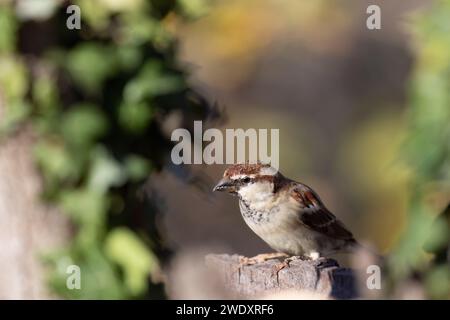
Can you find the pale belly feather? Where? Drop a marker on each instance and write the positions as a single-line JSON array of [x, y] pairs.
[[283, 232]]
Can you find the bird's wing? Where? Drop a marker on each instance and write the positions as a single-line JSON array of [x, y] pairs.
[[316, 216]]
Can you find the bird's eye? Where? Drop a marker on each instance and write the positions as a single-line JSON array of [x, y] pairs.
[[246, 180]]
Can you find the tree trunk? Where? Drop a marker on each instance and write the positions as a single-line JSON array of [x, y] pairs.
[[27, 227]]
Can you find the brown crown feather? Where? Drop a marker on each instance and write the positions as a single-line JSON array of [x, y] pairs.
[[244, 169]]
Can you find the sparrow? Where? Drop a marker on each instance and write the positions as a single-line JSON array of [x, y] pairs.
[[288, 215]]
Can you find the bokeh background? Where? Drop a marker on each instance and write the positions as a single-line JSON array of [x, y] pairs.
[[86, 117]]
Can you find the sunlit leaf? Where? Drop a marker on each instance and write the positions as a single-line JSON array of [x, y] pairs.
[[13, 78], [98, 278], [194, 8], [128, 251], [105, 172], [87, 208], [8, 26], [36, 9]]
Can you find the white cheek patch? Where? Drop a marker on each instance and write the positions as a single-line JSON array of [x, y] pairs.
[[268, 171], [257, 193]]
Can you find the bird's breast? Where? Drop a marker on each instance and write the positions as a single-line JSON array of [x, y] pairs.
[[268, 220], [253, 216]]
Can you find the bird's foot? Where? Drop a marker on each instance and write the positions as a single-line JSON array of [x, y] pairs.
[[288, 260], [260, 258], [320, 262], [323, 262]]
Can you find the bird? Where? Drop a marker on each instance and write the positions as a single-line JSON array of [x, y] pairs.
[[288, 215]]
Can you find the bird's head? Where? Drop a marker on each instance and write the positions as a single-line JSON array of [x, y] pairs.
[[250, 181]]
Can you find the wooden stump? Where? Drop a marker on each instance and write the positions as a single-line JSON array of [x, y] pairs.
[[323, 276]]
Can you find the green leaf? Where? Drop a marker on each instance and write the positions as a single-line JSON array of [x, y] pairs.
[[98, 277], [129, 57], [8, 27], [194, 8], [88, 210], [151, 81], [138, 29], [131, 254], [105, 172], [438, 282], [83, 124], [54, 160], [45, 94], [438, 235], [90, 64], [137, 167], [13, 78], [135, 117], [15, 112]]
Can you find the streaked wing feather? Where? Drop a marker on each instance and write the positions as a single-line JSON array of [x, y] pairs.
[[316, 216]]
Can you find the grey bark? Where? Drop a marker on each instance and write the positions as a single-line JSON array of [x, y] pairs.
[[323, 277], [27, 227]]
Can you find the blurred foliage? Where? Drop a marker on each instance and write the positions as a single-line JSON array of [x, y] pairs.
[[427, 153], [230, 36], [375, 144], [97, 100]]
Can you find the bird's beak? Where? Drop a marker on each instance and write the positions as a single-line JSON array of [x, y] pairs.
[[225, 184]]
